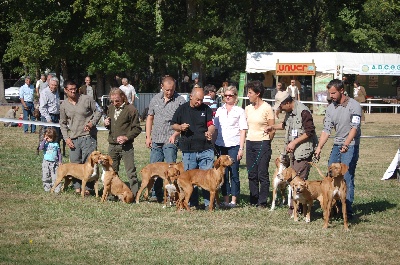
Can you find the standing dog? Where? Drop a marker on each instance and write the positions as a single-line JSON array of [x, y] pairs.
[[112, 183], [86, 172], [210, 179], [151, 172], [282, 162], [334, 188], [170, 185]]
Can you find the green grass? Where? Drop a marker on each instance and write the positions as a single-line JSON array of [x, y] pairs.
[[41, 228]]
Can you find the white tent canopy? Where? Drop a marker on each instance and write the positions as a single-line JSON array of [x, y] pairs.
[[325, 62]]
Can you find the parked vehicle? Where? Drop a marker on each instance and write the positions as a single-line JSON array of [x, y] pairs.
[[11, 94]]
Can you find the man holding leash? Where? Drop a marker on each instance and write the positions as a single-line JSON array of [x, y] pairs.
[[344, 114], [160, 137], [194, 121]]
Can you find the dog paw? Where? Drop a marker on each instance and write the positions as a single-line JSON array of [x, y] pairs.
[[307, 220]]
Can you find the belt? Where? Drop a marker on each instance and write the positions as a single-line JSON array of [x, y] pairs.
[[52, 114]]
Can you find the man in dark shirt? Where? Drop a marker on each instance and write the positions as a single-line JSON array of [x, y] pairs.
[[194, 121], [123, 122]]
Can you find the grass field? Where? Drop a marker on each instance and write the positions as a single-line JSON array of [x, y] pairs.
[[41, 228]]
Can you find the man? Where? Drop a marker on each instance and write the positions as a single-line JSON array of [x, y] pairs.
[[344, 114], [124, 126], [26, 95], [129, 90], [11, 114], [41, 84], [87, 89], [49, 105], [293, 90], [300, 137], [194, 121], [160, 137], [78, 119], [210, 93], [196, 83]]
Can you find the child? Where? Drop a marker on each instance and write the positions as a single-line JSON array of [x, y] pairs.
[[21, 117], [51, 160]]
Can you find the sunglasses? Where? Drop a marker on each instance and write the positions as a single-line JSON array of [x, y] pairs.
[[229, 95]]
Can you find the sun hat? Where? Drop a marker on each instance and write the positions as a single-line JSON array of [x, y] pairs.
[[279, 98]]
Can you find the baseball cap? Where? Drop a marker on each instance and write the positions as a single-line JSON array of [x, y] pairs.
[[279, 98]]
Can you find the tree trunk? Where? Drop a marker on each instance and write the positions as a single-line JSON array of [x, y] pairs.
[[2, 98]]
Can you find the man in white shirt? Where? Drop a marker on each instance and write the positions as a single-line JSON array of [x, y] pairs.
[[129, 90], [293, 90], [41, 84]]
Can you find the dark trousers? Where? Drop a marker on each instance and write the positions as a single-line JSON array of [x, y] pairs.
[[258, 155]]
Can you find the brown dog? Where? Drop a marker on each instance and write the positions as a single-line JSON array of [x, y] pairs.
[[334, 188], [151, 172], [86, 172], [210, 179], [112, 183], [305, 192], [171, 187], [282, 162]]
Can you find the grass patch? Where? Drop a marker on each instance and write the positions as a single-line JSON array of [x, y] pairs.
[[41, 228]]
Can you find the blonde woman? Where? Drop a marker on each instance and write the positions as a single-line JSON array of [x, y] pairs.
[[231, 125]]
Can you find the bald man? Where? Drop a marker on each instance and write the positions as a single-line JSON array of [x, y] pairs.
[[193, 120]]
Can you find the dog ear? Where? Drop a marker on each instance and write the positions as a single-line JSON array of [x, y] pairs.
[[217, 162], [344, 168], [178, 172]]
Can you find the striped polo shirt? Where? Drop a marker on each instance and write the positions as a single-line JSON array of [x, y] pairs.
[[163, 113]]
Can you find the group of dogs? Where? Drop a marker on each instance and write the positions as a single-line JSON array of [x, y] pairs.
[[179, 184], [328, 191]]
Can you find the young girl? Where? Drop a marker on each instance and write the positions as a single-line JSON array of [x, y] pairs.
[[51, 160]]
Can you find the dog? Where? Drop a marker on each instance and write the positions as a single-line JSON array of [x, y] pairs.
[[86, 172], [170, 185], [282, 162], [151, 172], [334, 188], [112, 183], [305, 192], [210, 179]]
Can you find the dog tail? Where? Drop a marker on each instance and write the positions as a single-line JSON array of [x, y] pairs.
[[319, 170]]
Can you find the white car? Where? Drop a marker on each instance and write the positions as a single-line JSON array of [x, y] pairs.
[[11, 94]]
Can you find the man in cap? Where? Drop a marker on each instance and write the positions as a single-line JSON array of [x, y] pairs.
[[300, 137]]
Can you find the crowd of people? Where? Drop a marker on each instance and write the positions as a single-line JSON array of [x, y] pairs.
[[199, 128]]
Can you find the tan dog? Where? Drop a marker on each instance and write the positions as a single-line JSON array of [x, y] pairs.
[[170, 185], [282, 162], [86, 172], [151, 172], [305, 192], [210, 179], [334, 188], [112, 183]]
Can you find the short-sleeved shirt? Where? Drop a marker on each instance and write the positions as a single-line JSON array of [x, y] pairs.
[[51, 151], [26, 93], [194, 139], [211, 103], [163, 113], [229, 125], [129, 91], [257, 121], [40, 85], [343, 117]]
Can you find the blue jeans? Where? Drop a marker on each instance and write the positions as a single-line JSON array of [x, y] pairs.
[[28, 114], [231, 184], [350, 159], [201, 160], [159, 153]]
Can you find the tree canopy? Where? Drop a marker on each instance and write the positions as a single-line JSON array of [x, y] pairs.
[[146, 39]]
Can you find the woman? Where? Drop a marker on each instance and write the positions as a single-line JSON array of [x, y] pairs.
[[360, 95], [231, 125], [259, 114]]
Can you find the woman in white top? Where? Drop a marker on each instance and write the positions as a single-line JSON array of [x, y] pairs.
[[231, 125]]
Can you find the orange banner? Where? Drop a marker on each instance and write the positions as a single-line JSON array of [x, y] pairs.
[[295, 69]]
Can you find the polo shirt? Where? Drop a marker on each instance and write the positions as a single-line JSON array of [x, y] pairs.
[[193, 139], [343, 117], [229, 125], [163, 113]]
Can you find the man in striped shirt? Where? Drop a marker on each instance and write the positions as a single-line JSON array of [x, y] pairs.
[[160, 137]]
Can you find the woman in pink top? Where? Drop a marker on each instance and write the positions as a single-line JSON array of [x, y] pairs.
[[259, 114], [230, 125]]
